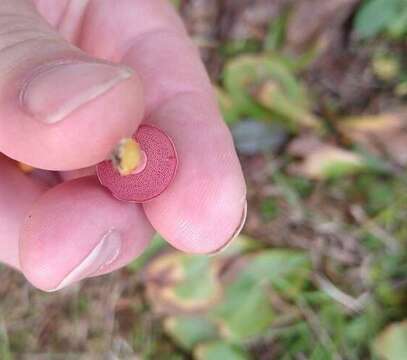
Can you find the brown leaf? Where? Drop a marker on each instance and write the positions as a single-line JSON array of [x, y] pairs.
[[382, 135], [322, 160]]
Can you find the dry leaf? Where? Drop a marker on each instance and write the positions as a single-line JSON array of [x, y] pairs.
[[383, 135], [321, 160]]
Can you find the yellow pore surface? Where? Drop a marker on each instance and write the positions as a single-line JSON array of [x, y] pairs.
[[128, 156]]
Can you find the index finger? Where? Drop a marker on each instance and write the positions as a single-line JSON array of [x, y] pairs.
[[205, 206]]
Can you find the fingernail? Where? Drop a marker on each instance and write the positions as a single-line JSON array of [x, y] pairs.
[[56, 90], [104, 254], [235, 234]]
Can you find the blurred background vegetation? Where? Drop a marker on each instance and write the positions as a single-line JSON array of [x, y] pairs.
[[314, 92]]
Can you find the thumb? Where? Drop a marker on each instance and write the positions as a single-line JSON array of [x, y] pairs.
[[59, 108]]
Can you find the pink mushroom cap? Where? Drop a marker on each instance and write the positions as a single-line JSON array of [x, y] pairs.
[[159, 170]]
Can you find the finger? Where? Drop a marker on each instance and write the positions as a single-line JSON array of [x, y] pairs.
[[59, 108], [205, 206], [17, 194], [77, 230]]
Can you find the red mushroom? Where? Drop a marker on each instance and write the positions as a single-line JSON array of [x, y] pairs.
[[155, 172]]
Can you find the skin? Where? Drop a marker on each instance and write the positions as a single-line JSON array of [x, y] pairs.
[[46, 231]]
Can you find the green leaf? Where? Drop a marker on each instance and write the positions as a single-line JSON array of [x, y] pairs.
[[246, 311], [391, 344], [198, 282], [190, 282], [285, 270], [189, 331], [376, 15], [220, 350]]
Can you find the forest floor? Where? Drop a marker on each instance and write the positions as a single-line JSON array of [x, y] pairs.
[[315, 95]]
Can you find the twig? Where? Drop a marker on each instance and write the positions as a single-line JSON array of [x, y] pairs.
[[355, 305]]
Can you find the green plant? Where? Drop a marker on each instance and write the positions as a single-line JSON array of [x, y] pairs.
[[382, 17]]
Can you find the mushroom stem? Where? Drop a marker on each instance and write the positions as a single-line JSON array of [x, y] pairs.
[[127, 156], [27, 169]]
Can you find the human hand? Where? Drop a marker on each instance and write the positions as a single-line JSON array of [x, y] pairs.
[[61, 110]]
